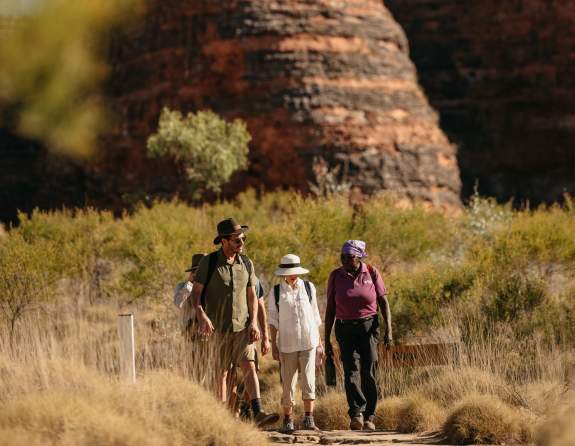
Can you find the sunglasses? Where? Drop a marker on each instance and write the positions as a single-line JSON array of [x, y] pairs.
[[239, 240]]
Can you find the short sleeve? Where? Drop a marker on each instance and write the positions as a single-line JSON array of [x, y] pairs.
[[379, 284]]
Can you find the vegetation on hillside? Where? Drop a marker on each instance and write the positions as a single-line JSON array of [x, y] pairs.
[[498, 282]]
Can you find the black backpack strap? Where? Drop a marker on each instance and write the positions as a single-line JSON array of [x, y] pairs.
[[212, 262], [307, 289], [246, 260], [277, 295]]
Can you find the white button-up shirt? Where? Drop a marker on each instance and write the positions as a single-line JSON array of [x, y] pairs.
[[297, 320]]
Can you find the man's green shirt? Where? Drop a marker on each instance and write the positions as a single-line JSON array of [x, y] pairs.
[[225, 296]]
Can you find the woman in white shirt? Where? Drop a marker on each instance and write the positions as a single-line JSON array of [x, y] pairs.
[[294, 321]]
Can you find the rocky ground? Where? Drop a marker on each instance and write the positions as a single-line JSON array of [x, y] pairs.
[[359, 438]]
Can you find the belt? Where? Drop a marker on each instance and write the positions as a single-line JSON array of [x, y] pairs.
[[355, 321]]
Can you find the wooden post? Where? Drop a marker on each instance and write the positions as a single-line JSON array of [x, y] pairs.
[[127, 347]]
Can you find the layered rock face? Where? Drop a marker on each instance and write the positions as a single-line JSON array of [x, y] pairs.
[[311, 78], [502, 76]]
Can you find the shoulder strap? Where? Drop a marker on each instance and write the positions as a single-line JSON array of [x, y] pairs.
[[307, 289], [246, 260], [277, 295], [212, 261]]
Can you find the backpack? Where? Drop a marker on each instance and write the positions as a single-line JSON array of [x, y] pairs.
[[212, 261], [277, 293]]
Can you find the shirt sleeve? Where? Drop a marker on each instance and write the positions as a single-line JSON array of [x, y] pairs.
[[273, 316], [315, 308], [202, 271], [379, 284]]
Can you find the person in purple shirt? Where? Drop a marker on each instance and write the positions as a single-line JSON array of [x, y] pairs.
[[354, 293]]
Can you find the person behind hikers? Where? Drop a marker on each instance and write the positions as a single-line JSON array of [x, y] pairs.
[[183, 301], [294, 325], [354, 292], [226, 304]]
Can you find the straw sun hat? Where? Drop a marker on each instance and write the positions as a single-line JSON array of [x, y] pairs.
[[290, 266]]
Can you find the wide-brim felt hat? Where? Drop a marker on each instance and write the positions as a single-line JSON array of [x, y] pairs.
[[196, 258], [229, 227], [290, 266]]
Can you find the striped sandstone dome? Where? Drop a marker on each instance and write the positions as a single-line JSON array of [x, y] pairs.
[[324, 77]]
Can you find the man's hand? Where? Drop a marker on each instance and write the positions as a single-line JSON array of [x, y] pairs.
[[275, 352], [265, 345], [253, 332], [206, 326]]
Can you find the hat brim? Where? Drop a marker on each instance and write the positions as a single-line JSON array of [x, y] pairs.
[[291, 271], [218, 238], [191, 268]]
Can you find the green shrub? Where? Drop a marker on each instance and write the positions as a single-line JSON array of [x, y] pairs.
[[208, 148]]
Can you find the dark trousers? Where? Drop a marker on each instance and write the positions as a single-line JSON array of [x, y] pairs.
[[358, 346]]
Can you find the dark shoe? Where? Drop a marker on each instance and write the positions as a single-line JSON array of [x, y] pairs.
[[288, 426], [309, 424], [356, 423], [369, 425], [245, 412], [265, 419]]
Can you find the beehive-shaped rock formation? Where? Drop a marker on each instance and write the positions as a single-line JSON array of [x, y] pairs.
[[314, 78]]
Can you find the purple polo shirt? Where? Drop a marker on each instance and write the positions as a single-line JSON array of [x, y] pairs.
[[354, 298]]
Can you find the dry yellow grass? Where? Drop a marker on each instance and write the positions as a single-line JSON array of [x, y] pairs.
[[59, 386], [161, 409], [414, 413], [558, 429], [331, 411], [387, 413], [485, 419], [419, 414]]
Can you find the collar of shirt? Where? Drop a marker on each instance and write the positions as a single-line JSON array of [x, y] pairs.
[[286, 288], [223, 260]]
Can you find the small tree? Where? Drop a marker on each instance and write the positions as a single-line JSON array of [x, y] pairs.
[[208, 148]]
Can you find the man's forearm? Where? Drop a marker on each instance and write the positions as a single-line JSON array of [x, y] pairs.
[[252, 304], [263, 319]]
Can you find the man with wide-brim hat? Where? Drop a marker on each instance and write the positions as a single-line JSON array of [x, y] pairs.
[[182, 299], [294, 325], [227, 306]]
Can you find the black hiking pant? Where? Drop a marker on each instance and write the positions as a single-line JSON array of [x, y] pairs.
[[357, 341]]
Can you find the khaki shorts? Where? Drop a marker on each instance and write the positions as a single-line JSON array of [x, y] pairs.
[[236, 348]]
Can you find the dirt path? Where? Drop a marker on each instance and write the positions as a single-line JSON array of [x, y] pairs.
[[357, 438]]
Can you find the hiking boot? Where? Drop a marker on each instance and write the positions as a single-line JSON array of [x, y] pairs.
[[309, 423], [265, 419], [369, 425], [288, 426], [356, 423]]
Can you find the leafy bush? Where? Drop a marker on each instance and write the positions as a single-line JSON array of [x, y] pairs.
[[208, 148]]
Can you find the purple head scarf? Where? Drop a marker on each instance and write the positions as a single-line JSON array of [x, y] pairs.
[[354, 248]]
